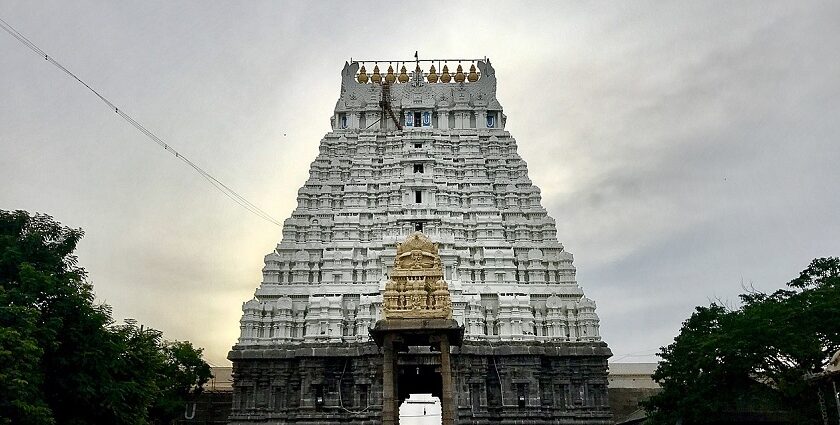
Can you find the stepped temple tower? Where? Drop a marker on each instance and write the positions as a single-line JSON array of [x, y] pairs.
[[419, 260]]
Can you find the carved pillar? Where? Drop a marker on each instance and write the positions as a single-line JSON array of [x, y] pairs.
[[390, 408], [447, 402]]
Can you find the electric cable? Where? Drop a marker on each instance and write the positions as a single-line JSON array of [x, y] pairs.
[[340, 400], [225, 189]]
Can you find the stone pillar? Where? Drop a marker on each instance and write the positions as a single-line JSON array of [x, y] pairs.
[[443, 119], [447, 402], [390, 409], [388, 381]]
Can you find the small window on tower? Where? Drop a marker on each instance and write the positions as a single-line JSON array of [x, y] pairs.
[[418, 168], [418, 145], [418, 196], [418, 226], [417, 119]]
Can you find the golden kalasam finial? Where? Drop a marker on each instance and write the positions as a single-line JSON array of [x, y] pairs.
[[433, 77], [445, 77], [390, 77], [416, 289], [473, 76], [459, 74], [376, 77], [403, 75], [363, 77]]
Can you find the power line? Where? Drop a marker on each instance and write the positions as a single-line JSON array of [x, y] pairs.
[[225, 189], [642, 353]]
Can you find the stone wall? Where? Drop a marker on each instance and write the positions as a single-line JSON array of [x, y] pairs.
[[630, 384], [498, 384], [624, 402], [532, 383], [207, 408], [307, 385]]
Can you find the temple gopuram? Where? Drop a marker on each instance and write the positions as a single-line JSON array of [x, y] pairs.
[[419, 260]]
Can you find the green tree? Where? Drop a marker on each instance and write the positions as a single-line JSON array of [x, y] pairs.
[[756, 356], [20, 377], [62, 358], [183, 373]]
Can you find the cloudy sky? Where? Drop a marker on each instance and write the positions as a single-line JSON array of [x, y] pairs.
[[684, 150]]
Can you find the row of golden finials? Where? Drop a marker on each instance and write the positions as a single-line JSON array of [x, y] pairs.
[[432, 77]]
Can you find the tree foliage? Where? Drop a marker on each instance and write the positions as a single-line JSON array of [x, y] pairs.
[[63, 360], [756, 356]]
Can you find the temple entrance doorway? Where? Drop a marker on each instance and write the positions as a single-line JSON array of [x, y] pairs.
[[416, 360], [418, 379], [417, 320], [419, 387], [420, 409]]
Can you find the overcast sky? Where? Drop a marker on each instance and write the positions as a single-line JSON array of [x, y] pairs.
[[684, 150]]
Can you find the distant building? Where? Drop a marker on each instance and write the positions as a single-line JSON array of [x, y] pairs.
[[629, 384]]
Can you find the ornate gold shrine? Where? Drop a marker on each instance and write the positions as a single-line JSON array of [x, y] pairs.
[[416, 289]]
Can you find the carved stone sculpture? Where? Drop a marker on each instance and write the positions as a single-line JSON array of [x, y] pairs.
[[416, 288]]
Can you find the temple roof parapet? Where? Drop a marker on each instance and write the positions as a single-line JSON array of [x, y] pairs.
[[439, 86]]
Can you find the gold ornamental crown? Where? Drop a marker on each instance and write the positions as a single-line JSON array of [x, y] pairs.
[[416, 288], [417, 241]]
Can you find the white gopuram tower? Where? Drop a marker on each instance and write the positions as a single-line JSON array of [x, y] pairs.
[[428, 152]]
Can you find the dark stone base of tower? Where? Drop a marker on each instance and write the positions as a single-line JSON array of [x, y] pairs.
[[504, 383]]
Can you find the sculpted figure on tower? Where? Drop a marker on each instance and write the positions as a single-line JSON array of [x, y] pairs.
[[416, 289]]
